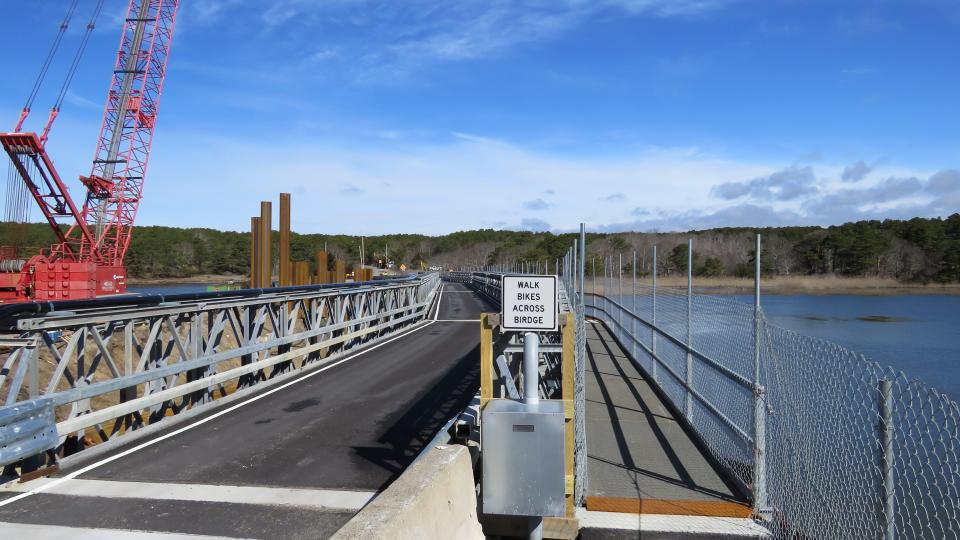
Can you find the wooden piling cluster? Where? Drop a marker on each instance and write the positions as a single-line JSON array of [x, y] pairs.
[[288, 271], [361, 273], [260, 259]]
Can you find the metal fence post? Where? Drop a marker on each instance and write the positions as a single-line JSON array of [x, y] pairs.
[[583, 259], [573, 274], [620, 292], [633, 308], [759, 404], [653, 316], [609, 285], [33, 357], [689, 408], [887, 457]]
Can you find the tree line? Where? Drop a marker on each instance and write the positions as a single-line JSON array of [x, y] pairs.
[[919, 249]]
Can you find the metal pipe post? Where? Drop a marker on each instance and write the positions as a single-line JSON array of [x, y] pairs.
[[653, 316], [593, 284], [583, 259], [574, 274], [608, 282], [759, 403], [531, 368], [886, 441], [689, 409], [633, 306], [620, 290], [531, 396], [33, 358], [535, 528]]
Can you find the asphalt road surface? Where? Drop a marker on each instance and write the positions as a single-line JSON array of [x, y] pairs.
[[296, 463]]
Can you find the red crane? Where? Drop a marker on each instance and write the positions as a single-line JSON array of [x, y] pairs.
[[87, 259]]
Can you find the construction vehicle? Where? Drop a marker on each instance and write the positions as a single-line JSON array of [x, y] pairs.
[[87, 258]]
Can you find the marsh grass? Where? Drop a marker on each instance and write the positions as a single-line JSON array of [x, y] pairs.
[[791, 285]]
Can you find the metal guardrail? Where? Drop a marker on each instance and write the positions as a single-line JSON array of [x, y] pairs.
[[26, 429], [111, 368]]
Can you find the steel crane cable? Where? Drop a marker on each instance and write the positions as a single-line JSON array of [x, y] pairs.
[[50, 54], [17, 208], [76, 59]]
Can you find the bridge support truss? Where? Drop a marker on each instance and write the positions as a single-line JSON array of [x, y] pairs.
[[110, 372]]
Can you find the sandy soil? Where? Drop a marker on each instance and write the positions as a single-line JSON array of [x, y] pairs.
[[201, 278]]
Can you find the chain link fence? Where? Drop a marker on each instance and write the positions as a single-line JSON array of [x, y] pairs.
[[848, 448], [572, 284]]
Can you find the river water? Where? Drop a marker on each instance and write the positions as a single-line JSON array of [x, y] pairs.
[[917, 334]]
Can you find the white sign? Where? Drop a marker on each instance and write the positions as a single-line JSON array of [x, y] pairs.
[[529, 303]]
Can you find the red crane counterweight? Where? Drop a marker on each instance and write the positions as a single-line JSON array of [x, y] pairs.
[[87, 259]]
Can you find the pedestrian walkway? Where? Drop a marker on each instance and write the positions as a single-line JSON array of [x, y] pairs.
[[641, 460]]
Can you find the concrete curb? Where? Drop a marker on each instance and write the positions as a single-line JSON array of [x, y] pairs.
[[433, 499]]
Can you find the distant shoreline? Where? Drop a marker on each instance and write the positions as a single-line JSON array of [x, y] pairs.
[[800, 285], [779, 285]]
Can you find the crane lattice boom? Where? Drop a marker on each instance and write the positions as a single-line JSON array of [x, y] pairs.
[[88, 258]]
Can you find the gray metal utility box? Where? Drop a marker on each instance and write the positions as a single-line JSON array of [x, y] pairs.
[[523, 458]]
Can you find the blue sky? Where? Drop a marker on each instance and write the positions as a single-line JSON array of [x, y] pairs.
[[431, 116]]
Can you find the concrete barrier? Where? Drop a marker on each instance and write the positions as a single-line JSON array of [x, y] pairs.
[[433, 499]]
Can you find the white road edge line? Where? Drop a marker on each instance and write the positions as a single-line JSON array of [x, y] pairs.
[[52, 532], [439, 300], [258, 495], [456, 320], [202, 421]]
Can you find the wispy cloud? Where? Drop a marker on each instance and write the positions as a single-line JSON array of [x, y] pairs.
[[534, 224], [455, 178], [80, 101], [350, 189], [614, 197], [536, 204], [856, 172], [945, 182], [382, 42], [863, 23], [784, 185]]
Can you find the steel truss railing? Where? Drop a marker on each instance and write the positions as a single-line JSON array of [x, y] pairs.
[[112, 371]]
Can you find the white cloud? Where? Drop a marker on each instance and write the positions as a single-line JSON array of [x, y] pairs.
[[73, 98], [377, 41], [856, 172], [614, 197], [533, 224], [466, 181], [787, 184], [536, 204]]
